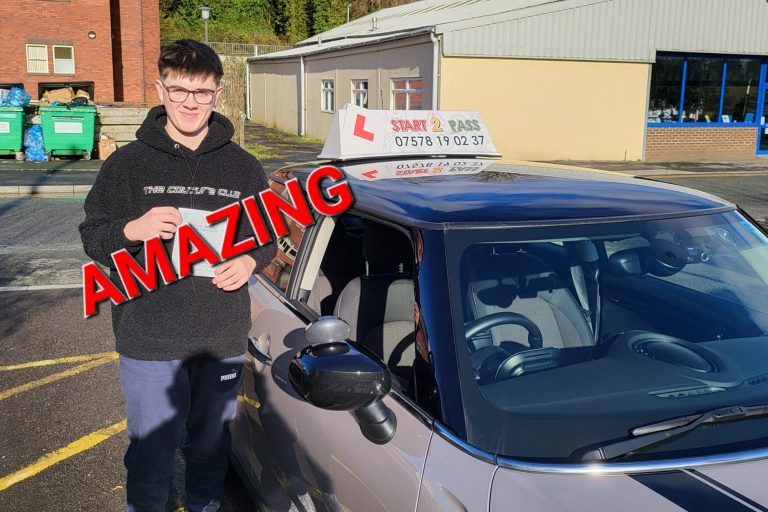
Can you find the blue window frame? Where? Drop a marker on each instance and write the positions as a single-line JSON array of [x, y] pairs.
[[706, 90]]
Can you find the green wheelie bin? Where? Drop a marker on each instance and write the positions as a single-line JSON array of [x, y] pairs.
[[68, 130], [12, 131]]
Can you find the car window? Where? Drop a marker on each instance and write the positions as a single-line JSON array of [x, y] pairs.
[[366, 278], [570, 337], [281, 266], [725, 274]]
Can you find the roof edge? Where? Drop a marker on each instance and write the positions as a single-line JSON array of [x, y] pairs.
[[314, 49]]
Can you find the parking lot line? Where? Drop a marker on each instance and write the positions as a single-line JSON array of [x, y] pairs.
[[84, 443], [58, 376], [35, 288], [50, 362]]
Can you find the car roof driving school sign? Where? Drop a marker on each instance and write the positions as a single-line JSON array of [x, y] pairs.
[[358, 133], [393, 169]]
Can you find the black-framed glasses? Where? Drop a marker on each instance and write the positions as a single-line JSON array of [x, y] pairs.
[[179, 94]]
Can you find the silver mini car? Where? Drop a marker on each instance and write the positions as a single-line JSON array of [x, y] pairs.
[[481, 336]]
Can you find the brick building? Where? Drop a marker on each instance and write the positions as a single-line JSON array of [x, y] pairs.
[[112, 43]]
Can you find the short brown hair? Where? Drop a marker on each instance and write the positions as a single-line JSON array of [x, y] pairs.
[[190, 58]]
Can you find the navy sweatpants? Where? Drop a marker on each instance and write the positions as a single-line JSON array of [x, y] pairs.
[[171, 404]]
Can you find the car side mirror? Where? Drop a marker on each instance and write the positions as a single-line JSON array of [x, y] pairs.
[[332, 374]]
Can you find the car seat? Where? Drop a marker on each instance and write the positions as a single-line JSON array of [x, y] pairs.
[[379, 305], [342, 262], [520, 282]]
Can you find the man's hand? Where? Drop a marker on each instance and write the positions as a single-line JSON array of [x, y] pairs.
[[160, 220], [234, 273]]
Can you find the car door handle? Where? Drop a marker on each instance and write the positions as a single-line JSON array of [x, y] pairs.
[[256, 352]]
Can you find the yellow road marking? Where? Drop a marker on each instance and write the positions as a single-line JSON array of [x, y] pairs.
[[58, 376], [249, 401], [72, 449], [51, 362]]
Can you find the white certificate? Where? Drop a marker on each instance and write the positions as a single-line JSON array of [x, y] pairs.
[[213, 236]]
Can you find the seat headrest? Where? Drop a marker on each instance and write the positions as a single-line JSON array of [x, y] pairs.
[[344, 254], [517, 274], [494, 265], [387, 250]]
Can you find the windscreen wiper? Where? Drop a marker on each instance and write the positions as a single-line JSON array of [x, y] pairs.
[[648, 435]]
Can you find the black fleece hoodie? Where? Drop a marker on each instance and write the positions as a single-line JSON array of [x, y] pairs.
[[189, 317]]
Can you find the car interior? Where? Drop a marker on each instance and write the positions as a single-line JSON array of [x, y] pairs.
[[522, 298], [366, 279], [523, 283], [540, 305]]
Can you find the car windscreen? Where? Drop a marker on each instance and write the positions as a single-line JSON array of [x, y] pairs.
[[571, 337]]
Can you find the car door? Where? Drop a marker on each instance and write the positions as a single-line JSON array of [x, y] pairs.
[[306, 458], [555, 492]]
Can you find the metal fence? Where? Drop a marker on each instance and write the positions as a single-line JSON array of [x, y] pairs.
[[246, 49]]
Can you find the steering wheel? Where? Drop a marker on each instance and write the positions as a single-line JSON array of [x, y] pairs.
[[502, 318]]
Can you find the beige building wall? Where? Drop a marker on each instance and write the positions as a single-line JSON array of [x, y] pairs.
[[274, 94], [379, 64], [553, 110]]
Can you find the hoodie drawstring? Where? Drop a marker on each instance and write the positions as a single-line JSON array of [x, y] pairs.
[[191, 172], [191, 196]]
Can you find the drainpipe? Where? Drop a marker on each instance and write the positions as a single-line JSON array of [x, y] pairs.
[[435, 63], [247, 91], [302, 113]]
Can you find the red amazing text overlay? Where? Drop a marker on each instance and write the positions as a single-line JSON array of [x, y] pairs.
[[97, 287]]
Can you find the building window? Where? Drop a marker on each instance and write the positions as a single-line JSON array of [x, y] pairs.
[[328, 96], [704, 79], [407, 94], [702, 89], [63, 60], [742, 84], [360, 93], [666, 86], [37, 58]]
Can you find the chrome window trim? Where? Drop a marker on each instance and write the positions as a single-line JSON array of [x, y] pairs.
[[416, 411], [617, 468], [459, 443], [269, 286], [634, 467], [277, 293]]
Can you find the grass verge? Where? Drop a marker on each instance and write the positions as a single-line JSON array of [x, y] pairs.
[[262, 152]]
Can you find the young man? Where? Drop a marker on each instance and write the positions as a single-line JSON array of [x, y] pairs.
[[181, 347]]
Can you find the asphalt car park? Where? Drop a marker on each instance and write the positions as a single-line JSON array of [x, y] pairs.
[[475, 335], [61, 436], [61, 406]]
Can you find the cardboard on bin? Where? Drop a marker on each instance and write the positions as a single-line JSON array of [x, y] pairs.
[[64, 95], [86, 86]]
